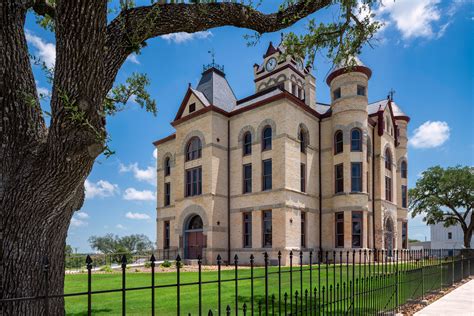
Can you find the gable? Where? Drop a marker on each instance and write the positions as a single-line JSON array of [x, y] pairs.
[[194, 99]]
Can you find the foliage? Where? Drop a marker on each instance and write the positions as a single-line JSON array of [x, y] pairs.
[[166, 264], [106, 268], [68, 250], [118, 246], [445, 196]]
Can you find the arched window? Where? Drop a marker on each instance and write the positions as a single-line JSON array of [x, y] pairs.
[[338, 142], [267, 138], [195, 223], [303, 138], [193, 149], [388, 159], [247, 146], [404, 169], [356, 140], [167, 166], [369, 148]]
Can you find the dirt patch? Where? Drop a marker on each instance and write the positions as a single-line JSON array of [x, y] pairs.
[[410, 309]]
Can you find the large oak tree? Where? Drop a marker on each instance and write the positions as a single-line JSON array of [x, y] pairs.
[[44, 167]]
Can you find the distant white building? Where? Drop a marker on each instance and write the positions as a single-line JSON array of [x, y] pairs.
[[448, 237]]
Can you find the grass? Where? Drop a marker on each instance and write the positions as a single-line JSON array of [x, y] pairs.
[[374, 294]]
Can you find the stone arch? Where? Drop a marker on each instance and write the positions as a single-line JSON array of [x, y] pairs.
[[392, 153], [163, 160], [195, 133], [281, 78], [262, 86], [346, 131], [190, 211], [263, 124], [399, 162], [304, 128], [242, 132], [389, 233]]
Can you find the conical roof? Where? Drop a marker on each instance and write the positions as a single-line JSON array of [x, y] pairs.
[[216, 89], [353, 64]]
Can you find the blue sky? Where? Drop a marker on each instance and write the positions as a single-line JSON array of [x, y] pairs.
[[424, 52]]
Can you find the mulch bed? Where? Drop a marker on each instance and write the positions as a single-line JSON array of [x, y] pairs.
[[410, 309]]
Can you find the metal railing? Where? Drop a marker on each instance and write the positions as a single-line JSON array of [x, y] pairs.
[[357, 282]]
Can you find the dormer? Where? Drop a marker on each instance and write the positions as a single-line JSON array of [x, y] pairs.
[[285, 72]]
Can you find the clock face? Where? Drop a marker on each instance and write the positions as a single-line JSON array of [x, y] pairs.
[[271, 64]]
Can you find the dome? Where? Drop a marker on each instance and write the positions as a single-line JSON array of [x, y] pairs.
[[353, 65]]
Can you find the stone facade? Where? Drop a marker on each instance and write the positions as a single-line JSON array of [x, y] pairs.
[[285, 107]]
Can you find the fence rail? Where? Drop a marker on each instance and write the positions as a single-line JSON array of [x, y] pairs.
[[357, 282]]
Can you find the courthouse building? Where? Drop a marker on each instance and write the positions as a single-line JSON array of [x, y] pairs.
[[278, 171]]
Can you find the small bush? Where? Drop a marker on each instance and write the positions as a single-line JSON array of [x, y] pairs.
[[148, 264], [106, 269], [166, 264]]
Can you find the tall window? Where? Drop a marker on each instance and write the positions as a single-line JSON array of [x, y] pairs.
[[404, 196], [356, 140], [167, 166], [267, 138], [340, 230], [339, 178], [247, 144], [388, 159], [450, 235], [166, 234], [267, 228], [360, 90], [247, 230], [404, 169], [338, 142], [247, 178], [388, 188], [404, 235], [356, 176], [303, 138], [337, 93], [303, 229], [193, 181], [167, 193], [267, 175], [303, 177], [193, 149], [356, 229]]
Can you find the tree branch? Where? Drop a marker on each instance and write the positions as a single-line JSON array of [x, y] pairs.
[[43, 8], [131, 28]]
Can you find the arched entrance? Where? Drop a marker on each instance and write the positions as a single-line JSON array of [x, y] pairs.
[[389, 236], [193, 237]]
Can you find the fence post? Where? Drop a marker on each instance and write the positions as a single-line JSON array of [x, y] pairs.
[[89, 285], [178, 300], [46, 284], [219, 261], [251, 284], [462, 266], [452, 267], [152, 263], [291, 280], [279, 281], [353, 282], [200, 283], [422, 274], [236, 262], [265, 258], [124, 268]]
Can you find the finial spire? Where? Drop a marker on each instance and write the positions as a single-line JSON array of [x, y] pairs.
[[213, 63], [390, 94]]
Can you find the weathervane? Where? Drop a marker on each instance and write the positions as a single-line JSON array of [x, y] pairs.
[[213, 63]]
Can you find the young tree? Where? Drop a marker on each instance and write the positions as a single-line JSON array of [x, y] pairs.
[[127, 245], [44, 167], [446, 196]]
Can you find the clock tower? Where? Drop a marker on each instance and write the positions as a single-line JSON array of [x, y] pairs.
[[287, 73]]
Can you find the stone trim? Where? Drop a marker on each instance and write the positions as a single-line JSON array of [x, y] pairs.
[[165, 207], [345, 208], [245, 129], [273, 207], [262, 125], [194, 133], [168, 218], [187, 212]]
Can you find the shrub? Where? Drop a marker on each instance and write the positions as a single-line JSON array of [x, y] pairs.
[[148, 264], [106, 269], [166, 264]]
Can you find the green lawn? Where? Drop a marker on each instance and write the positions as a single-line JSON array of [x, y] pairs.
[[375, 294]]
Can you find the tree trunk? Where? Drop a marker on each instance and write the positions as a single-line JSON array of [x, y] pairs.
[[467, 239]]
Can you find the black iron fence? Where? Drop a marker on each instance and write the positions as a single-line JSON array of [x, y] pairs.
[[357, 282]]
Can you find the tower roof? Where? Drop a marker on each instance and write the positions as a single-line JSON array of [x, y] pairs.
[[214, 86], [353, 64]]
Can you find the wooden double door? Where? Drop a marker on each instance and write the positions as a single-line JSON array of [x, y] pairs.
[[194, 244]]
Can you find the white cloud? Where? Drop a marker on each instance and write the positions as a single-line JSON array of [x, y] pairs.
[[120, 226], [155, 153], [146, 175], [75, 222], [101, 188], [133, 194], [414, 18], [138, 216], [46, 51], [81, 215], [182, 37], [430, 135], [133, 59]]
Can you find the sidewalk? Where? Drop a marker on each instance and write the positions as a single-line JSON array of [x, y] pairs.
[[456, 303]]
